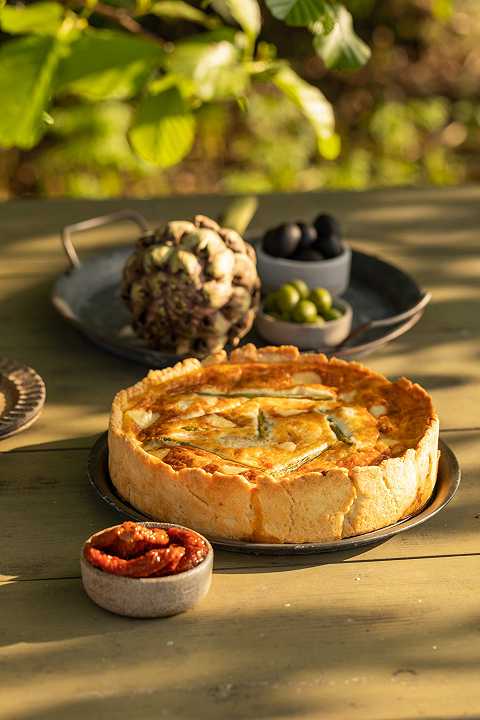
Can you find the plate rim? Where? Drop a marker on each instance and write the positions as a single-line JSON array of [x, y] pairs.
[[99, 454], [31, 391], [65, 310]]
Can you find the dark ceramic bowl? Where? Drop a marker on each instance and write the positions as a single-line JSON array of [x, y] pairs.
[[148, 597], [306, 336], [332, 274]]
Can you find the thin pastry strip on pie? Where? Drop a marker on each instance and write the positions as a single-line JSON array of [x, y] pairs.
[[269, 445]]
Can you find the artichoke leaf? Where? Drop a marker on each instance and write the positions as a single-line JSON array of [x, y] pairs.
[[160, 255], [177, 229], [216, 293], [221, 265]]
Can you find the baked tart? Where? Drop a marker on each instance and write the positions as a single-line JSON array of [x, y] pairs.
[[268, 445]]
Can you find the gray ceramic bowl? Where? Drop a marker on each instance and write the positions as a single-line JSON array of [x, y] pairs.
[[306, 336], [333, 274], [148, 597]]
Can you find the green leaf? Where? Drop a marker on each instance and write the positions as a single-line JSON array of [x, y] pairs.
[[325, 23], [164, 128], [311, 102], [442, 9], [341, 49], [27, 70], [41, 18], [213, 70], [247, 15], [179, 10], [106, 64], [297, 12], [330, 147], [47, 118], [90, 135], [223, 32]]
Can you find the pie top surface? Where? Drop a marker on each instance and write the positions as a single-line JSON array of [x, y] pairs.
[[277, 418]]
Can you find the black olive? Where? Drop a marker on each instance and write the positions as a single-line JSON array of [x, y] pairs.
[[282, 241], [309, 235], [307, 255], [329, 236], [330, 247], [326, 225]]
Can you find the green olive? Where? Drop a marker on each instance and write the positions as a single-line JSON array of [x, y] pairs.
[[332, 314], [287, 298], [321, 299], [302, 288], [271, 303], [305, 312]]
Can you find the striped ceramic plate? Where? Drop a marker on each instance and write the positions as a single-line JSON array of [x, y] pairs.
[[22, 396]]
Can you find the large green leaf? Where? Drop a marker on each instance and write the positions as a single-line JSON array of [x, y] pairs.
[[27, 70], [41, 18], [297, 12], [164, 128], [311, 102], [247, 15], [341, 49], [106, 64], [180, 10], [214, 70], [92, 135]]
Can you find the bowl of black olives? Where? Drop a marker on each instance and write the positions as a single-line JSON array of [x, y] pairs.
[[311, 319], [312, 252]]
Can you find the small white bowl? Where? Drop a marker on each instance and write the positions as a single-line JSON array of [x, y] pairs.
[[333, 274], [306, 336], [148, 597]]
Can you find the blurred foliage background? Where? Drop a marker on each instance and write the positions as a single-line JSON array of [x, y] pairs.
[[410, 115]]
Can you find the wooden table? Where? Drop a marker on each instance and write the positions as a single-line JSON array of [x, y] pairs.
[[388, 632]]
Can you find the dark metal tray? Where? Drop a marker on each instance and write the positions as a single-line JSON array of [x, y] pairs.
[[386, 301], [448, 480]]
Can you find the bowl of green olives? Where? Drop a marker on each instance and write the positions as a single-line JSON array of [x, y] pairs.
[[314, 252], [311, 319]]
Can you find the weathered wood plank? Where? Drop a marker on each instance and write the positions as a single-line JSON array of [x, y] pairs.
[[390, 632], [418, 220], [385, 640], [49, 509]]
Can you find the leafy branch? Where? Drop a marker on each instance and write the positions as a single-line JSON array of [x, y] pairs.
[[57, 52], [117, 15]]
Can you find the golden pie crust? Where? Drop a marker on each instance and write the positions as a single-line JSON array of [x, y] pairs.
[[268, 445]]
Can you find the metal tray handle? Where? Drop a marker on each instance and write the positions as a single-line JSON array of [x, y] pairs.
[[385, 322], [96, 222]]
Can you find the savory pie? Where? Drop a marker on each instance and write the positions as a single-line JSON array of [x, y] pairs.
[[269, 445]]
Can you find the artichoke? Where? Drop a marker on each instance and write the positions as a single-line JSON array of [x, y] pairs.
[[192, 287]]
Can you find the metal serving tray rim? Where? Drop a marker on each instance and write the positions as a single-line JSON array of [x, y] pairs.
[[447, 484], [89, 265]]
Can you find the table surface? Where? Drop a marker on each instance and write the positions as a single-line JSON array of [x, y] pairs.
[[390, 631]]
